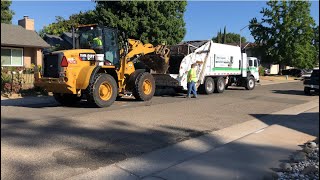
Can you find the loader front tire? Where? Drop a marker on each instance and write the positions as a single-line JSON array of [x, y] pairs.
[[103, 90], [144, 87]]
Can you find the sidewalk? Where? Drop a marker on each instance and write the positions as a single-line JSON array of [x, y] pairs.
[[244, 151]]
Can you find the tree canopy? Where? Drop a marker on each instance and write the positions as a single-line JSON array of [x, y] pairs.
[[65, 25], [149, 21], [229, 38], [6, 13], [285, 33]]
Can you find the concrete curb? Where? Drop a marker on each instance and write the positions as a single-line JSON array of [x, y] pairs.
[[154, 162], [281, 82]]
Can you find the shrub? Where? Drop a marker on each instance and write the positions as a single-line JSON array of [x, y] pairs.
[[5, 80], [261, 71], [11, 79]]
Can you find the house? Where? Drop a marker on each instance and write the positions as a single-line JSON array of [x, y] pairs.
[[21, 46], [247, 48], [186, 47], [56, 43], [59, 42]]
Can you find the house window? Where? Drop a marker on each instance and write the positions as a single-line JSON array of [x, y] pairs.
[[11, 57]]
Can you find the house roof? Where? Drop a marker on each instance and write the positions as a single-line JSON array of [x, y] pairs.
[[54, 40], [14, 35], [243, 45], [186, 47]]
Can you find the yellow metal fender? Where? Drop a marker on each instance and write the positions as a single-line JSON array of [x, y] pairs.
[[84, 77]]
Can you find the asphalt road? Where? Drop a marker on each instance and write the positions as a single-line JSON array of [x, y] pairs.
[[46, 141]]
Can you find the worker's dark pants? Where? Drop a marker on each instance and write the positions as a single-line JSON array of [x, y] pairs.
[[192, 88]]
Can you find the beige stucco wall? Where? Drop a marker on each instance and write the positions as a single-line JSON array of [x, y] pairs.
[[28, 54], [32, 55], [38, 57]]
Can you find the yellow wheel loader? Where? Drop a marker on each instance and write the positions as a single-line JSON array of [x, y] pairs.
[[100, 69]]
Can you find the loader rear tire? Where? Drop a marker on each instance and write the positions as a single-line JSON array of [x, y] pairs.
[[66, 99], [144, 87], [103, 90]]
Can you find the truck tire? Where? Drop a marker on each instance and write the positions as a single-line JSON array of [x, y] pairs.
[[66, 99], [144, 87], [220, 85], [208, 86], [103, 90], [250, 83], [307, 91]]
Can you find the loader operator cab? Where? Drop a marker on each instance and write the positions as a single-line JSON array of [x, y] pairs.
[[102, 40]]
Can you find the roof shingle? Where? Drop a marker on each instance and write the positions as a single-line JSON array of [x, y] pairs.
[[14, 35]]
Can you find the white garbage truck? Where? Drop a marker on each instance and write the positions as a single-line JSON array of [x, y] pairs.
[[218, 66]]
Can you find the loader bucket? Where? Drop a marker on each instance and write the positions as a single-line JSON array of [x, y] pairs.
[[157, 61]]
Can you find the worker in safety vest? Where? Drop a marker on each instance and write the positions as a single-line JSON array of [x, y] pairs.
[[97, 44], [192, 80]]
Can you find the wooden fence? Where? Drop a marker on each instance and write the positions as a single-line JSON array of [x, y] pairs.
[[14, 82]]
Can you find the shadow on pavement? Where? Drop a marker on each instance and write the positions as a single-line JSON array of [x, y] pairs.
[[290, 92], [49, 101], [307, 123], [36, 102]]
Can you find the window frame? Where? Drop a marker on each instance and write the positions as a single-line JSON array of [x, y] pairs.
[[11, 48]]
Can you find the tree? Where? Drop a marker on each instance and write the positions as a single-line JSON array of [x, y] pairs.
[[316, 43], [65, 25], [224, 35], [6, 13], [285, 34], [218, 38], [230, 38], [148, 21]]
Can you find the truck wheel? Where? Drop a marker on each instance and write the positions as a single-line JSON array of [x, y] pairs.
[[66, 99], [209, 86], [307, 91], [103, 91], [250, 83], [144, 87], [220, 85]]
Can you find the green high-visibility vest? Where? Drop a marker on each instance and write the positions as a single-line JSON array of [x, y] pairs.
[[192, 75], [97, 41]]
